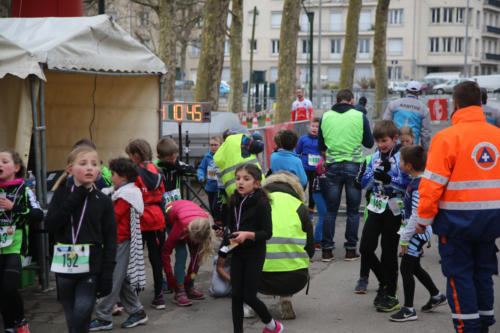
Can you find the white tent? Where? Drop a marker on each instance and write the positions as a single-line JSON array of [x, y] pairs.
[[62, 79]]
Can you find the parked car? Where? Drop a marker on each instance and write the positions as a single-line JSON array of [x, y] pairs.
[[396, 87], [187, 84], [223, 89], [428, 85], [490, 82], [447, 87], [446, 76]]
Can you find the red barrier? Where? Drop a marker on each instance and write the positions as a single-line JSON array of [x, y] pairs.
[[269, 137], [438, 108]]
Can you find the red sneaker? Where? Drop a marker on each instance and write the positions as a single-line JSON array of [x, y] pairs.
[[22, 327], [193, 293], [181, 299], [277, 329]]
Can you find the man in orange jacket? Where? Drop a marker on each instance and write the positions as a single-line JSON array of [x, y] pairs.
[[460, 197]]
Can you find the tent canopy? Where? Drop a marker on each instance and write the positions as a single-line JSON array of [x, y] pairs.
[[72, 43]]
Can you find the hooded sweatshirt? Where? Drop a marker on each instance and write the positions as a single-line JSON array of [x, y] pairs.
[[151, 186]]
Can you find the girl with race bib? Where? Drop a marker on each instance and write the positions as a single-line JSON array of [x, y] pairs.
[[82, 221], [18, 208]]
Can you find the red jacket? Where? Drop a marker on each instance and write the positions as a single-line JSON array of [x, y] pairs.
[[179, 214], [122, 215], [151, 186]]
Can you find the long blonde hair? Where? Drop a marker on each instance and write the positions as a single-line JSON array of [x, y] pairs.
[[72, 156], [200, 232]]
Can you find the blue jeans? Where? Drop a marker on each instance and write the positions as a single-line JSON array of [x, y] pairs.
[[321, 206], [338, 175]]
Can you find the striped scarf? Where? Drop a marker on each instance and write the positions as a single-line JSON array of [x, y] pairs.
[[136, 272]]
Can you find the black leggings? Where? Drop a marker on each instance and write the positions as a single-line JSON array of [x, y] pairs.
[[245, 278], [310, 178], [385, 269], [11, 303], [154, 240], [410, 266]]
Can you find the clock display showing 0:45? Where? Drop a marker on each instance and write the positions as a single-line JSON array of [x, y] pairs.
[[186, 112]]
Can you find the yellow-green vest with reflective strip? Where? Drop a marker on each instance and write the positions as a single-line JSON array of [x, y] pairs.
[[285, 251], [228, 158], [343, 134]]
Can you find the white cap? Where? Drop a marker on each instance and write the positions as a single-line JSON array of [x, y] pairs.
[[413, 86]]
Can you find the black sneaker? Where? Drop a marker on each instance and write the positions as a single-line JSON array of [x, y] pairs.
[[388, 304], [433, 303], [327, 256], [404, 314], [380, 296], [138, 318]]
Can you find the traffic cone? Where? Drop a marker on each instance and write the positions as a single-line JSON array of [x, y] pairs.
[[268, 118], [255, 122], [244, 119]]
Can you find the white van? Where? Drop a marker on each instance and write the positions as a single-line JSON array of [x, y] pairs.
[[443, 75], [490, 82]]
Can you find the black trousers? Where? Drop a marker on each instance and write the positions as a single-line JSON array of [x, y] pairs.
[[245, 278], [283, 283], [385, 225], [310, 178], [11, 303], [154, 240], [410, 267]]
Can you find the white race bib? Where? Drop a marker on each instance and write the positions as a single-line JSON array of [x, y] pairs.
[[172, 196], [313, 160], [7, 234], [378, 203], [71, 259]]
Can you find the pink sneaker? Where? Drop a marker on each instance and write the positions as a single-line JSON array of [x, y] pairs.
[[181, 299], [195, 294], [278, 329]]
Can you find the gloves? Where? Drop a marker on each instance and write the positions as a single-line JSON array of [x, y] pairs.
[[104, 286], [382, 176]]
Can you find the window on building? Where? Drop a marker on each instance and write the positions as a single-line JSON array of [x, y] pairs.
[[447, 15], [305, 46], [363, 72], [365, 20], [394, 72], [112, 16], [304, 22], [304, 74], [459, 44], [227, 47], [275, 20], [460, 15], [364, 46], [273, 74], [435, 15], [395, 46], [395, 16], [254, 45], [275, 46], [144, 19], [476, 49], [193, 74], [335, 46], [336, 21], [195, 49], [250, 18], [447, 44], [333, 74], [478, 19], [434, 44]]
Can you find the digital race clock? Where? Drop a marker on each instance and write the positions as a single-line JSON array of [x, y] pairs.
[[186, 112]]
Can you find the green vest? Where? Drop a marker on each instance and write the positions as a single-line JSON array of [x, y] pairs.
[[285, 250], [228, 158], [343, 134]]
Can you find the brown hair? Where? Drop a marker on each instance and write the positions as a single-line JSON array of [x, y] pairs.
[[406, 130], [140, 147], [166, 146], [384, 128], [124, 167], [276, 138], [288, 139], [200, 232], [16, 158], [344, 95], [316, 120], [414, 155], [467, 94], [252, 169], [84, 142]]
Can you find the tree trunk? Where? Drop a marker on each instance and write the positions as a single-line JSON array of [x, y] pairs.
[[212, 52], [287, 64], [182, 55], [167, 44], [350, 45], [235, 103], [379, 56]]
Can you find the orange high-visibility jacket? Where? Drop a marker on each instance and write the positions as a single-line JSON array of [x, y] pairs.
[[460, 190]]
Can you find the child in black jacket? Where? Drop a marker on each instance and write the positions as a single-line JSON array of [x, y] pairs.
[[249, 219], [82, 220]]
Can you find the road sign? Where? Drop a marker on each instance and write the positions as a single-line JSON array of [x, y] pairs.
[[186, 112]]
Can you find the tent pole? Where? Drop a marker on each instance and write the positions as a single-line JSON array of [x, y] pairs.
[[161, 79], [36, 142]]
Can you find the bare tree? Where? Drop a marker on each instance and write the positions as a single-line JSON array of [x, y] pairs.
[[350, 45], [379, 56], [189, 16], [212, 52], [287, 63], [235, 103]]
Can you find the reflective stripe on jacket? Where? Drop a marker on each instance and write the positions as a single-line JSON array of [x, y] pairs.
[[460, 190], [285, 251]]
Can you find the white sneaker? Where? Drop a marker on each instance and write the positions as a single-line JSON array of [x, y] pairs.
[[248, 312]]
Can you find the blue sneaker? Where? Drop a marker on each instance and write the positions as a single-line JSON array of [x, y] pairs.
[[100, 325], [138, 318]]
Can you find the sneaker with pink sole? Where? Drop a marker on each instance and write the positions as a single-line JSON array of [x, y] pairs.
[[194, 294], [181, 299], [277, 329]]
